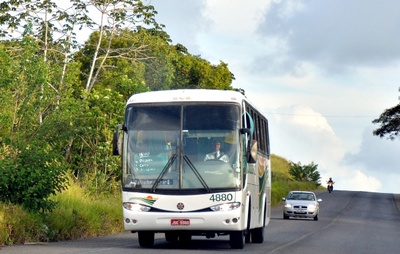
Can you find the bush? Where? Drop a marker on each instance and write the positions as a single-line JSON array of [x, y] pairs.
[[305, 173], [29, 176]]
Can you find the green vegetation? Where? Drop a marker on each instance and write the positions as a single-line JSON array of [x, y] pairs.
[[77, 215], [389, 123], [283, 181], [305, 173]]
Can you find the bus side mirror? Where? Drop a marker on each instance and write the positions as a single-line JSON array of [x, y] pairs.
[[251, 146], [245, 131], [252, 151], [117, 147]]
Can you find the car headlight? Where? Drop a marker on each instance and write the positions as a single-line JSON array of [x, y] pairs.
[[225, 207], [288, 205], [135, 207], [312, 207]]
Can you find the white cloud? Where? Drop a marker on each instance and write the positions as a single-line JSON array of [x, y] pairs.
[[183, 20], [234, 17], [232, 27], [335, 35], [376, 156], [373, 167], [304, 135], [356, 180]]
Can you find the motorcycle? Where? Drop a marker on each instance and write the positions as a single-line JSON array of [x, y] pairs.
[[330, 187]]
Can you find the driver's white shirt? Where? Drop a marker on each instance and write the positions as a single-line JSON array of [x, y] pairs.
[[217, 155]]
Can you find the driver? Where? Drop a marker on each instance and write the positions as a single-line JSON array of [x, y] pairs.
[[217, 154]]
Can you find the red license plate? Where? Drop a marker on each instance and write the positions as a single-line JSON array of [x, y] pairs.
[[180, 222]]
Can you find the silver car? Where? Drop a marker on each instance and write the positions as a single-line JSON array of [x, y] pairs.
[[301, 204]]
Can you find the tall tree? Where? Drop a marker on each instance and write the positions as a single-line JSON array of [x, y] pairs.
[[109, 16], [56, 24], [390, 123], [123, 68], [194, 72], [35, 19], [160, 65], [31, 169]]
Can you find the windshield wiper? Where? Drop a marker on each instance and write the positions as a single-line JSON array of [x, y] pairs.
[[196, 173], [163, 172]]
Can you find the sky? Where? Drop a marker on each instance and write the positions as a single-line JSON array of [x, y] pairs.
[[320, 70]]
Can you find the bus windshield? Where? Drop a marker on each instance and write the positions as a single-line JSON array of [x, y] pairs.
[[175, 147]]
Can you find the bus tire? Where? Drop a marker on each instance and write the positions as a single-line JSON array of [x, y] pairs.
[[185, 237], [247, 237], [146, 239], [257, 235], [171, 236], [236, 240]]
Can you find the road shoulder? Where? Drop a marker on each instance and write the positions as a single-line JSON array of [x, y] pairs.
[[396, 198]]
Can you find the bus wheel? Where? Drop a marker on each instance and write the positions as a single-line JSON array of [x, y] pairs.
[[236, 240], [171, 236], [257, 235], [146, 239], [247, 237], [185, 237]]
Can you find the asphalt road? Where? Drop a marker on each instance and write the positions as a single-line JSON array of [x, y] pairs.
[[349, 222]]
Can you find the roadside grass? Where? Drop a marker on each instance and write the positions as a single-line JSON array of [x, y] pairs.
[[80, 215], [18, 226], [77, 215]]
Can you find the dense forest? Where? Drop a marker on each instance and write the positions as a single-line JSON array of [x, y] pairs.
[[61, 99]]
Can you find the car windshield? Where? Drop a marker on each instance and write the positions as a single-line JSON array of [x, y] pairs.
[[173, 147], [301, 196]]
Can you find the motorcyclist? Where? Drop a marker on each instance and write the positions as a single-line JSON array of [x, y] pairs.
[[330, 183]]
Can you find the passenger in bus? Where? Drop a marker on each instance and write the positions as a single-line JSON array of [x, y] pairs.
[[217, 154]]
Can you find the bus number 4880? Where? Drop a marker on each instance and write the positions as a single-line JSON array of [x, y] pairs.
[[221, 197]]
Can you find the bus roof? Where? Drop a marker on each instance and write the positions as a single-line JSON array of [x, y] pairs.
[[186, 95]]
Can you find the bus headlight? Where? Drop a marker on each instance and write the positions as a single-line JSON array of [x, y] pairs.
[[135, 207], [225, 207]]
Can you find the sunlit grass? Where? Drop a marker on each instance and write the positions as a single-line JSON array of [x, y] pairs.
[[18, 225], [77, 215], [280, 168]]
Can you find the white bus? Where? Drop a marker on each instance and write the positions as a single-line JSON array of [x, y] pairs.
[[172, 183]]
